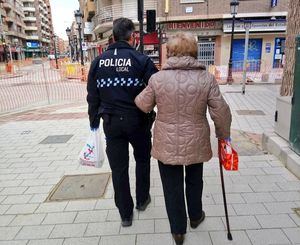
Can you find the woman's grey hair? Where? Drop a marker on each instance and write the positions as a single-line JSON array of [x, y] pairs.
[[182, 44]]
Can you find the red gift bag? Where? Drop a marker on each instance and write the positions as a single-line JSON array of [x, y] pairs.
[[228, 156]]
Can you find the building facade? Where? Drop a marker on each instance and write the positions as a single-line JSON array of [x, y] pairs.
[[210, 22], [13, 37], [39, 28]]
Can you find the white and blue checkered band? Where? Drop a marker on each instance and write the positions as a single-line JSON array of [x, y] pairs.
[[130, 82]]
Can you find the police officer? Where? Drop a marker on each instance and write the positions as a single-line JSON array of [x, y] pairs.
[[116, 77]]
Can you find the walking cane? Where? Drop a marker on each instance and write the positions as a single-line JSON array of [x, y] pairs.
[[229, 236]]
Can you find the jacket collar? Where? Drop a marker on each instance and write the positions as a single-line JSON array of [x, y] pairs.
[[120, 44], [183, 63]]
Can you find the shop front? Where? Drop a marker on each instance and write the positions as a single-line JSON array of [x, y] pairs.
[[207, 33], [266, 45]]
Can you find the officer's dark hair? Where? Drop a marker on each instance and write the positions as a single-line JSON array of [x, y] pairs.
[[122, 29]]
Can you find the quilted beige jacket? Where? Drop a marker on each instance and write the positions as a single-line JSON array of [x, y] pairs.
[[182, 91]]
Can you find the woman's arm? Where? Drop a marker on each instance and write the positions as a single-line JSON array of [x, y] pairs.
[[219, 110]]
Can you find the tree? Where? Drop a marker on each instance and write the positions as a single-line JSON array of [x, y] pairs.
[[293, 29]]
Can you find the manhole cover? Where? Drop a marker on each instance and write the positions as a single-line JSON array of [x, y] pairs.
[[72, 187], [250, 112], [297, 211], [56, 139]]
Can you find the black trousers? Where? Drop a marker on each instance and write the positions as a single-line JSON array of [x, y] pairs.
[[172, 177], [119, 132]]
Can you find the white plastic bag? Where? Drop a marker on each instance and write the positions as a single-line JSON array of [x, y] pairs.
[[92, 153]]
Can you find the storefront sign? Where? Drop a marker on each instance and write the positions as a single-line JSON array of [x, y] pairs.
[[191, 1], [32, 44], [268, 48], [88, 28], [189, 10], [258, 26], [194, 25]]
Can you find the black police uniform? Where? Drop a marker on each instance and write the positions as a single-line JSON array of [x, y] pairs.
[[116, 77]]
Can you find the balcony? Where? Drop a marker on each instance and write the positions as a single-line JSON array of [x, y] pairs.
[[8, 4], [29, 19], [32, 37], [28, 1], [103, 20], [16, 34], [46, 40], [31, 28], [29, 9]]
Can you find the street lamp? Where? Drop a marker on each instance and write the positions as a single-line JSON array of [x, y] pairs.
[[55, 53], [234, 5], [76, 47], [78, 18], [68, 31]]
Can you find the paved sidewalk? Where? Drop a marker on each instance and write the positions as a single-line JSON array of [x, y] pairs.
[[261, 195]]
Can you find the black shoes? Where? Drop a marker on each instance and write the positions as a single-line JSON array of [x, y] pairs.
[[195, 223], [142, 207], [127, 222], [178, 238]]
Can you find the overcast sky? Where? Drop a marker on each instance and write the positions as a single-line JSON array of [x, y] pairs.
[[63, 15]]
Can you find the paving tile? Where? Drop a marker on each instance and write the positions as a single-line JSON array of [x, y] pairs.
[[39, 189], [218, 210], [271, 179], [46, 242], [13, 190], [244, 179], [60, 218], [249, 209], [33, 182], [82, 241], [28, 176], [195, 237], [267, 236], [252, 171], [4, 208], [230, 198], [209, 224], [289, 186], [91, 216], [34, 232], [10, 183], [153, 213], [293, 234], [286, 196], [257, 197], [161, 226], [154, 239], [38, 198], [6, 219], [275, 221], [29, 219], [81, 205], [280, 207], [264, 187], [17, 199], [23, 242], [220, 238], [51, 207], [118, 240], [8, 233], [138, 227], [22, 209], [242, 222], [296, 218], [69, 230], [105, 228]]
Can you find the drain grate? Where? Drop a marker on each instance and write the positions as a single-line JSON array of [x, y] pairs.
[[74, 187], [297, 211], [56, 139], [250, 112]]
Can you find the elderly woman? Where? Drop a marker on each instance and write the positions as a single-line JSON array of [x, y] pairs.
[[182, 91]]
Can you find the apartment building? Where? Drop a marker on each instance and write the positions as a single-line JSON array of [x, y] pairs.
[[210, 22], [38, 28], [13, 36]]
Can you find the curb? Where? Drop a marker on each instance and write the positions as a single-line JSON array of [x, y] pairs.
[[280, 148]]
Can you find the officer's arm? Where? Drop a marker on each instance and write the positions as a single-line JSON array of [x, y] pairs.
[[145, 101], [149, 70], [93, 96]]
